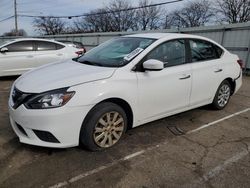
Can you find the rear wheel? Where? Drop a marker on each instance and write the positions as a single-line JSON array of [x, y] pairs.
[[105, 125], [222, 96]]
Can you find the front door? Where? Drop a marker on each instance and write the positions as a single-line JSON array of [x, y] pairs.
[[168, 90], [19, 58]]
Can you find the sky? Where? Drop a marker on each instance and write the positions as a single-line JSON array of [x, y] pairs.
[[53, 7]]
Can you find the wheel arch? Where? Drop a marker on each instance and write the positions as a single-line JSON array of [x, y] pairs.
[[232, 84], [120, 102]]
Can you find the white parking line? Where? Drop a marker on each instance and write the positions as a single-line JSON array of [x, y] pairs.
[[6, 88], [4, 91], [211, 174], [83, 175], [215, 171], [219, 120]]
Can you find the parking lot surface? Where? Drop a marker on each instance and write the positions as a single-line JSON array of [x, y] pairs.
[[198, 148]]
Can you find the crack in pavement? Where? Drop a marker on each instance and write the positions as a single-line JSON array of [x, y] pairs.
[[206, 178]]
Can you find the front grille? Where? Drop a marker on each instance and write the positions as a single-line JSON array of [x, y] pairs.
[[21, 129], [46, 136], [19, 97]]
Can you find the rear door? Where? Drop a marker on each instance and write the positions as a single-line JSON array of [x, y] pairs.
[[18, 59], [48, 52], [168, 90], [207, 70]]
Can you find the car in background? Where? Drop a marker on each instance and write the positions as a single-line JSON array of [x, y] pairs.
[[122, 83], [20, 55], [79, 45]]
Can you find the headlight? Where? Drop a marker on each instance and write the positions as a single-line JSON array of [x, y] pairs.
[[50, 99]]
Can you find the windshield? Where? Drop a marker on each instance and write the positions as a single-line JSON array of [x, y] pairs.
[[117, 52], [5, 42]]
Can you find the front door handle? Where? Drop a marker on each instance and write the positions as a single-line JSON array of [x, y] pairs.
[[29, 56], [185, 77], [218, 70]]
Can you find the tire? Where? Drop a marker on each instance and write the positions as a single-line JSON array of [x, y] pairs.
[[104, 126], [222, 96]]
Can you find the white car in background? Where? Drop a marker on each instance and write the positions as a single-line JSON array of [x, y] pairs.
[[123, 83], [20, 55]]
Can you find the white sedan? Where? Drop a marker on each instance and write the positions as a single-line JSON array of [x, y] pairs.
[[123, 83], [20, 55]]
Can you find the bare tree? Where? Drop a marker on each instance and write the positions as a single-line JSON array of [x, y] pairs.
[[233, 11], [116, 16], [148, 17], [49, 26], [99, 20], [121, 20], [194, 14], [20, 32], [95, 21], [167, 21], [80, 26]]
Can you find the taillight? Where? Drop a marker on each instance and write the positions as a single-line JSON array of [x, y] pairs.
[[241, 63], [79, 53], [84, 50]]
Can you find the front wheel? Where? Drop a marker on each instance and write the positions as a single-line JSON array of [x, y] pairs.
[[222, 95], [104, 126]]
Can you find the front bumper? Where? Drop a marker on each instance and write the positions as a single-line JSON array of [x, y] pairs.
[[63, 123]]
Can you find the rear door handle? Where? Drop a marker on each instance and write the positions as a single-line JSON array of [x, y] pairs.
[[59, 54], [218, 70], [29, 56], [185, 77]]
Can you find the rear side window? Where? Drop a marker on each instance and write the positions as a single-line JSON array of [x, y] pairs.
[[219, 51], [204, 50], [59, 46], [46, 46], [22, 46]]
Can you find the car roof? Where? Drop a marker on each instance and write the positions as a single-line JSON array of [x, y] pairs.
[[169, 36], [165, 35], [28, 39], [38, 39]]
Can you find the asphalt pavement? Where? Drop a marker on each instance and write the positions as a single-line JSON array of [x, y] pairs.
[[199, 148]]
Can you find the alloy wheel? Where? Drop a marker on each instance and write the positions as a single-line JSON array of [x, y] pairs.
[[224, 95], [108, 130]]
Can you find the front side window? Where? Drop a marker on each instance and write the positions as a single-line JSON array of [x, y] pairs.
[[117, 52], [171, 53], [203, 50], [22, 46]]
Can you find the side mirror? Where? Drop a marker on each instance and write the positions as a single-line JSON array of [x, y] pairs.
[[4, 49], [153, 65]]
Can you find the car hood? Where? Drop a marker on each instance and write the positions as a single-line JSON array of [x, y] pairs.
[[60, 75]]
